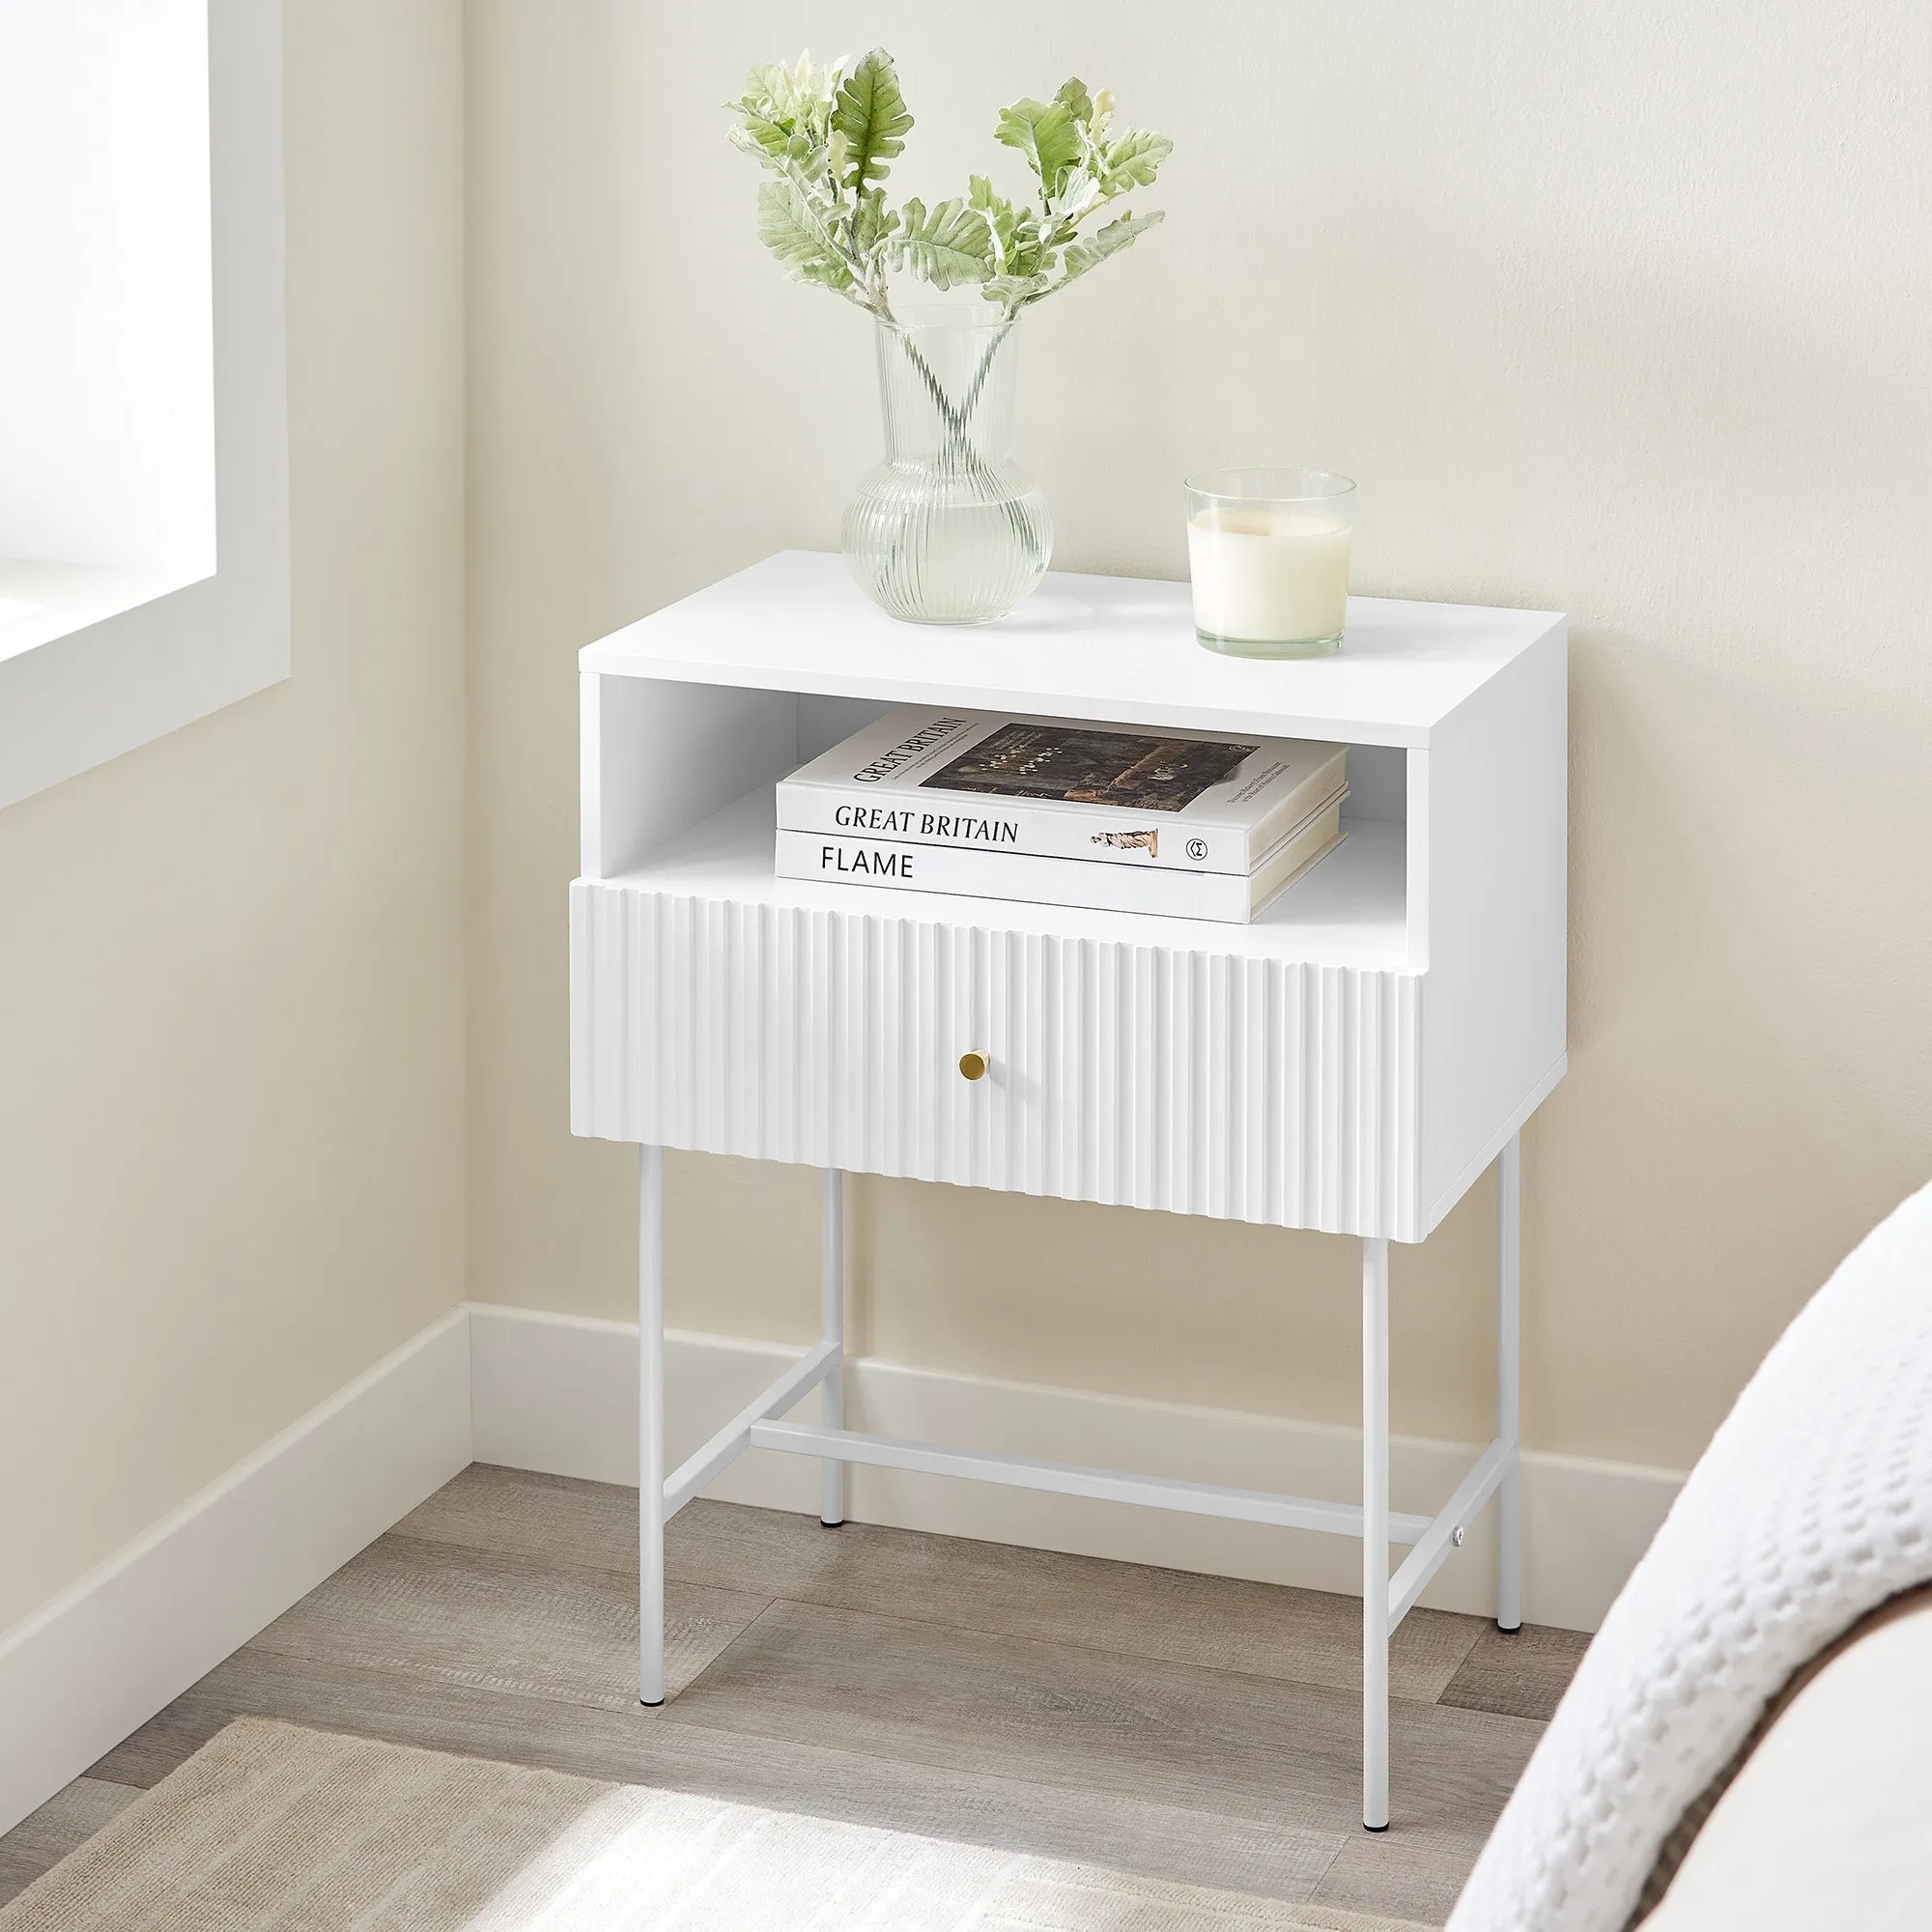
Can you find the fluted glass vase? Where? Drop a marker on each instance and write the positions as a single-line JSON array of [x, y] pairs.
[[949, 529]]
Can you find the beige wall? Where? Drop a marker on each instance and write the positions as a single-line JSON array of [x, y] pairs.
[[1616, 308], [1619, 310], [231, 963]]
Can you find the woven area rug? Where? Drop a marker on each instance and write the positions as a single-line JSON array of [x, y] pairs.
[[269, 1828]]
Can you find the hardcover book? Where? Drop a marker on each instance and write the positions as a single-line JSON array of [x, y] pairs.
[[1233, 897], [1036, 787]]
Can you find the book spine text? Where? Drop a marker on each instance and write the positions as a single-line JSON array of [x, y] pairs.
[[1000, 827], [1012, 876]]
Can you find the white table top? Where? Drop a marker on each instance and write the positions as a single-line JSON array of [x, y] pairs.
[[1116, 648]]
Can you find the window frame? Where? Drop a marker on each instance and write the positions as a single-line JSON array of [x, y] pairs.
[[86, 697]]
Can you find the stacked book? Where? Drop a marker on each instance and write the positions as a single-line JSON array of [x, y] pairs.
[[1177, 822]]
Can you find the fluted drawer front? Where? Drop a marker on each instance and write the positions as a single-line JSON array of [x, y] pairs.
[[1140, 1074]]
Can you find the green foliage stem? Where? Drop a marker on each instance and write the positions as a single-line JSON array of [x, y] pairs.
[[829, 135]]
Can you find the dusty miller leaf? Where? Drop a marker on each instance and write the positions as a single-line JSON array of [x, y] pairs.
[[1080, 193], [1082, 256], [871, 115], [764, 140], [1015, 231], [1015, 291], [871, 221], [1074, 96], [804, 93], [1134, 160], [1044, 134], [951, 244], [789, 228], [785, 113], [767, 83], [809, 158]]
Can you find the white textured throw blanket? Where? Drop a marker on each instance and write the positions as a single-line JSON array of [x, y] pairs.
[[1812, 1505]]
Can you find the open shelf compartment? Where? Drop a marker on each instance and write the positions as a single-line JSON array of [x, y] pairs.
[[1345, 1061]]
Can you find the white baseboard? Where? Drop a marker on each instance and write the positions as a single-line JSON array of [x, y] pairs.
[[558, 1393], [97, 1661]]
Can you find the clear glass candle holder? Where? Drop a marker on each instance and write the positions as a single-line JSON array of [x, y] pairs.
[[1268, 549]]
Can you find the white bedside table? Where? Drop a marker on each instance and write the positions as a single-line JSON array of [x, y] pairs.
[[1350, 1063]]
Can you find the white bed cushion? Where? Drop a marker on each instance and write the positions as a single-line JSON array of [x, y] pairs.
[[1812, 1505], [1830, 1822]]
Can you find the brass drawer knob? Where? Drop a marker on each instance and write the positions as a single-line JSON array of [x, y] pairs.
[[973, 1066]]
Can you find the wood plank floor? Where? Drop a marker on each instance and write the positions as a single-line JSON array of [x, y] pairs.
[[1189, 1727]]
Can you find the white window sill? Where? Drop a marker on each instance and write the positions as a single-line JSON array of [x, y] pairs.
[[41, 603]]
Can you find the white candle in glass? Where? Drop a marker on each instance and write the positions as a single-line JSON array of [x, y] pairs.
[[1268, 554]]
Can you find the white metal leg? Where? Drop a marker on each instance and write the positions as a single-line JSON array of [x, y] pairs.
[[1066, 1479], [650, 1427], [735, 1437], [832, 1332], [1374, 1535], [1385, 1599], [1508, 1383]]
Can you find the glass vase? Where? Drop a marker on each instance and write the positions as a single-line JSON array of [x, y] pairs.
[[949, 529]]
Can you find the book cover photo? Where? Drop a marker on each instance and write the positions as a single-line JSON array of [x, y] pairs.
[[1081, 765]]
